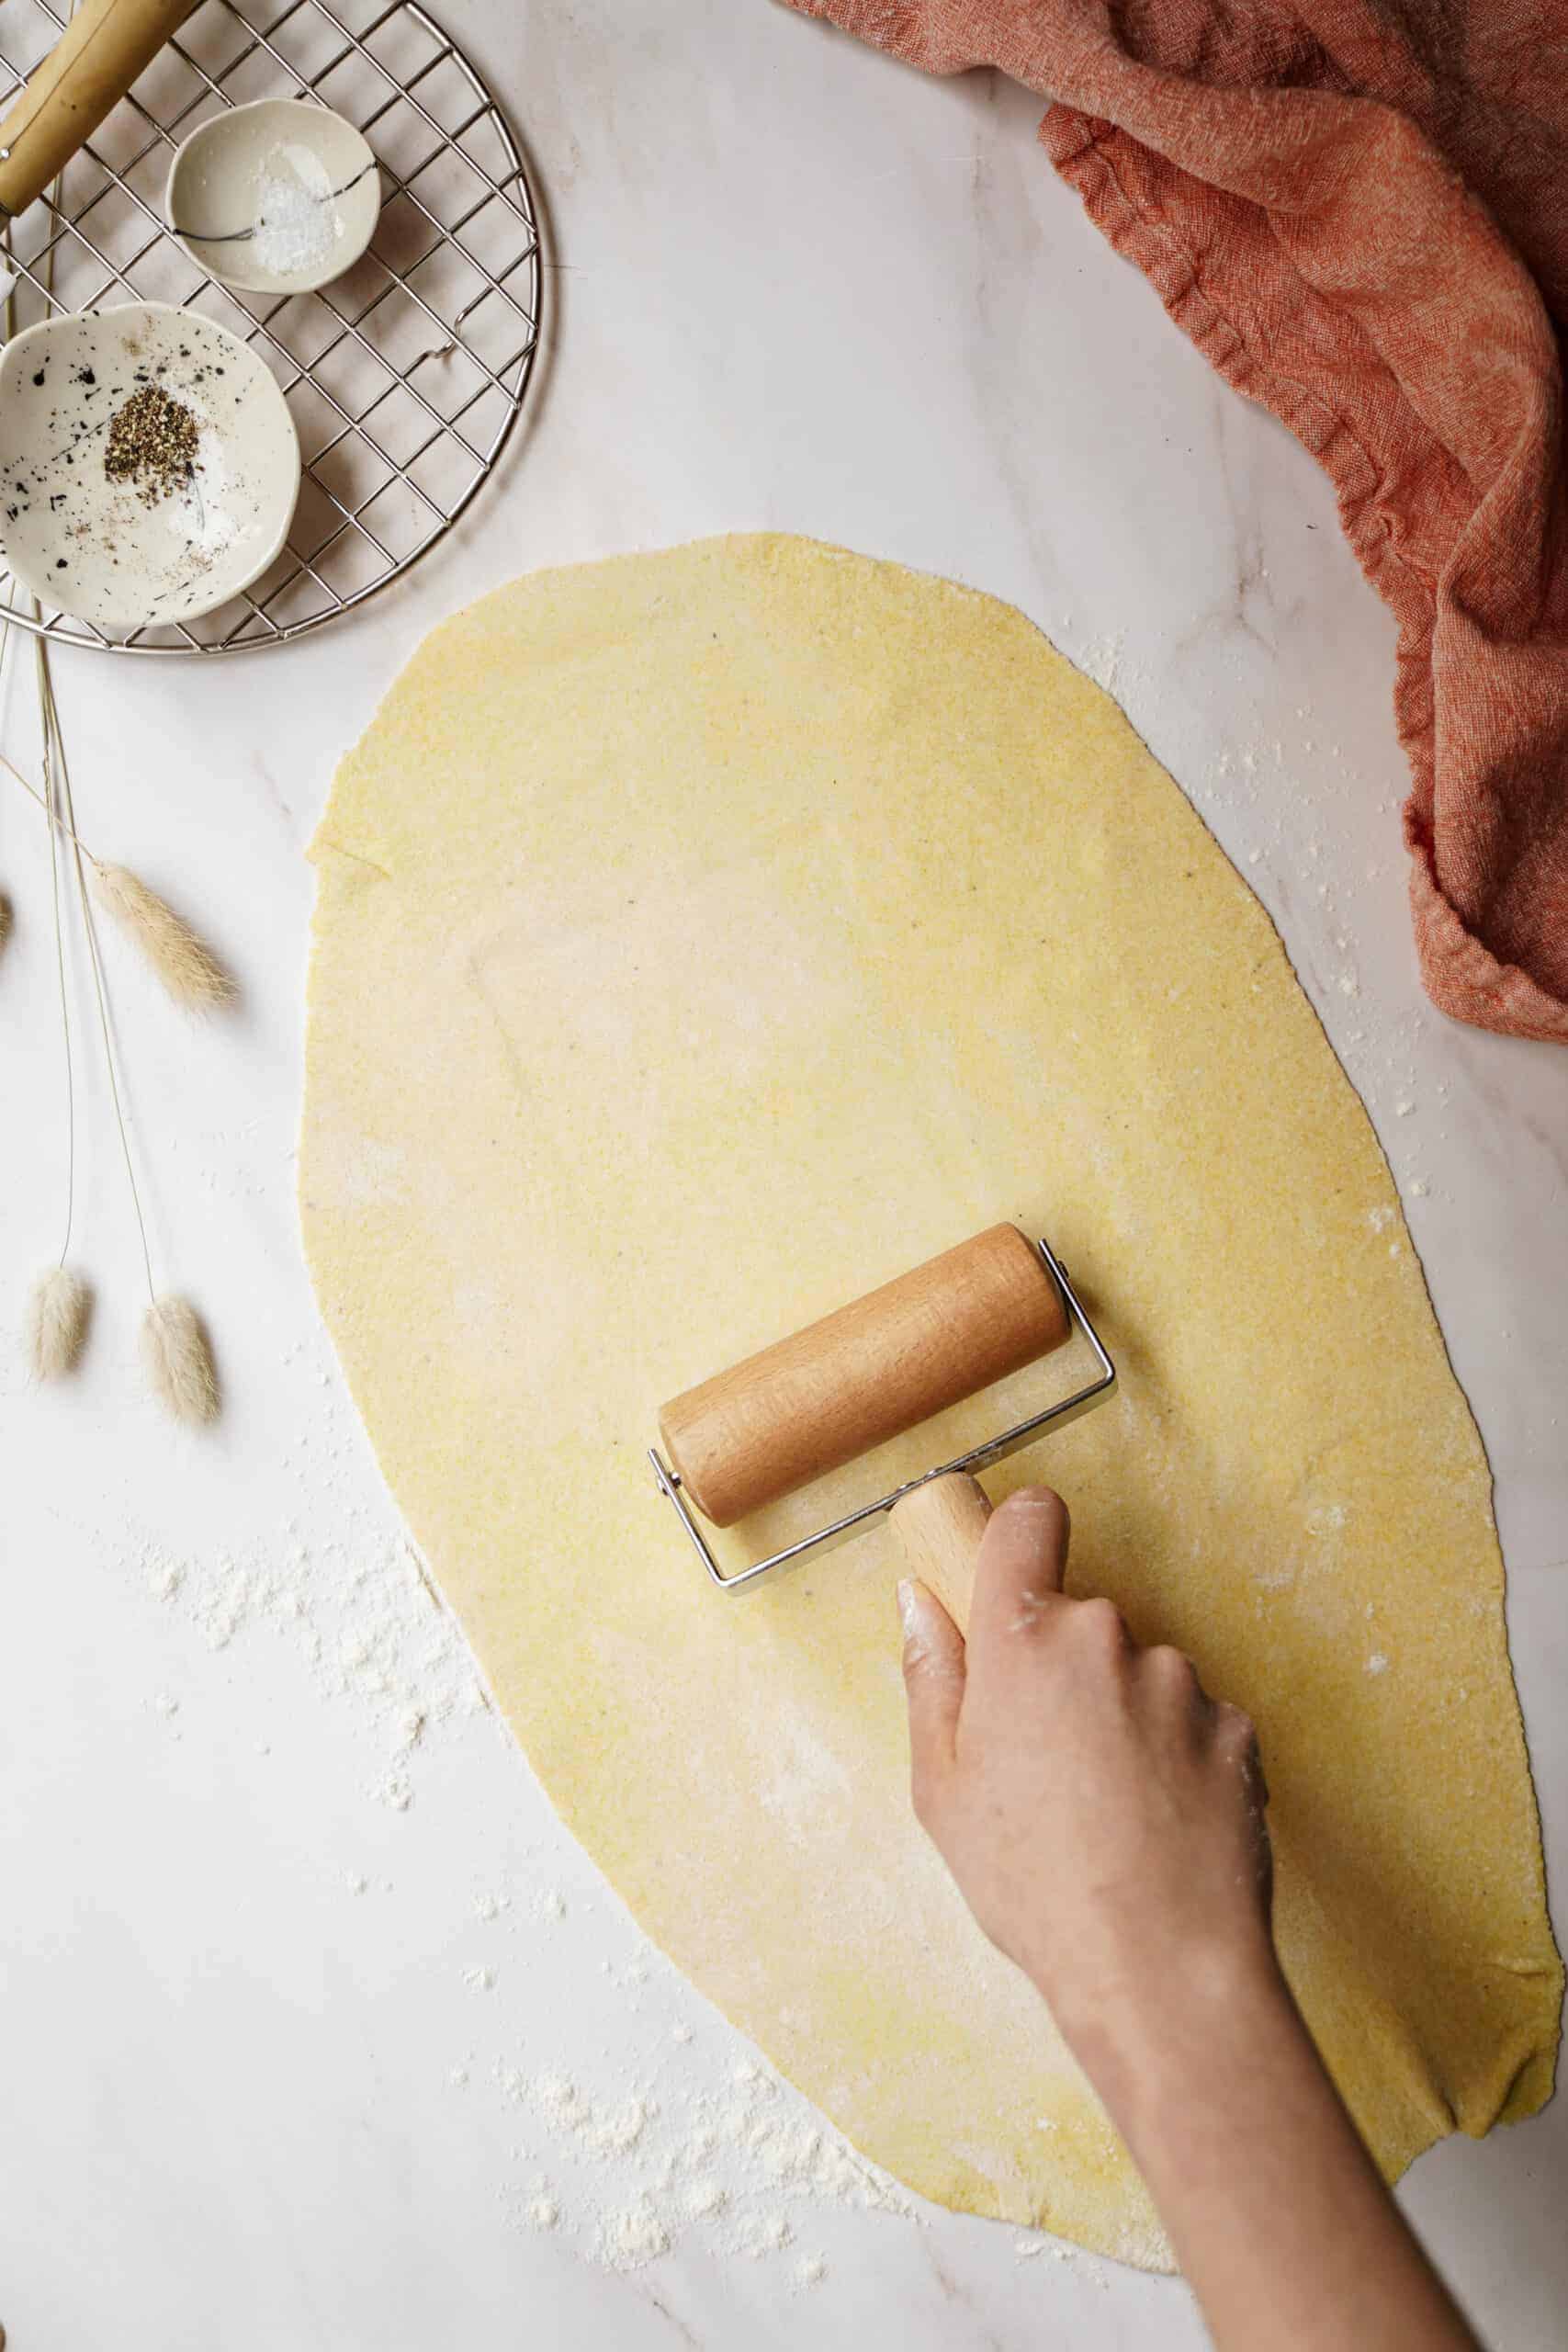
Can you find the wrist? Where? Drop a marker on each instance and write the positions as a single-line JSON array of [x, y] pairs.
[[1158, 2047]]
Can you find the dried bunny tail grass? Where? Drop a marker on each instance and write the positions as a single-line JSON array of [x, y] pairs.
[[185, 964], [179, 1360], [57, 1322]]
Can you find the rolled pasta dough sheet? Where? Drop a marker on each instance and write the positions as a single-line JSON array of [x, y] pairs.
[[705, 937]]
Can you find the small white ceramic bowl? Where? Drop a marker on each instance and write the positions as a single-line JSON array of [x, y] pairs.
[[137, 551], [276, 197]]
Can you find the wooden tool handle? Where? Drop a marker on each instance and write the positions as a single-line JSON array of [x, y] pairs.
[[106, 44], [939, 1527], [815, 1400]]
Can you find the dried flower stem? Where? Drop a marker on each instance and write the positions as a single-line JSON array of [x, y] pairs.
[[48, 798], [62, 1302], [30, 787], [46, 801], [57, 780]]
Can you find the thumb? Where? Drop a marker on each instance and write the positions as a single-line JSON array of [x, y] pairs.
[[933, 1684]]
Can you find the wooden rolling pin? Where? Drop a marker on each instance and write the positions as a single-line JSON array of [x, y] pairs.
[[812, 1402], [106, 44]]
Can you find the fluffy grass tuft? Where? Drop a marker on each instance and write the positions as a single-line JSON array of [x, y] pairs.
[[57, 1322], [185, 965], [179, 1360]]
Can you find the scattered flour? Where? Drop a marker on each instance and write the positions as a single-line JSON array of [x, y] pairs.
[[372, 1631], [1103, 661], [1377, 1663], [644, 2168], [763, 2234], [633, 2237], [614, 2135], [632, 2164], [560, 2099]]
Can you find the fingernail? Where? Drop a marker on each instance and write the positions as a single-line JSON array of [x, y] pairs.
[[909, 1608], [1030, 1498]]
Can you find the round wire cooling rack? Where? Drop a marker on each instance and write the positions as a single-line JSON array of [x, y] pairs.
[[404, 376]]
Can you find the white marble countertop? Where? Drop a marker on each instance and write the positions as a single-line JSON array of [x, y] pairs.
[[274, 1977]]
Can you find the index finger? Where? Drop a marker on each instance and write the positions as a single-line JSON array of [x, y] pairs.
[[1019, 1567]]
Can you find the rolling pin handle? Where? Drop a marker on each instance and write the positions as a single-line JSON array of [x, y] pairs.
[[939, 1525], [99, 54]]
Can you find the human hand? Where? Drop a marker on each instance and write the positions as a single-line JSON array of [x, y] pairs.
[[1102, 1815], [1104, 1819]]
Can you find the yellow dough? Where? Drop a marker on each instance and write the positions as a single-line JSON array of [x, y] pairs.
[[704, 938]]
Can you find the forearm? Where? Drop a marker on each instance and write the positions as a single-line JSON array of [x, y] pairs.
[[1277, 2214]]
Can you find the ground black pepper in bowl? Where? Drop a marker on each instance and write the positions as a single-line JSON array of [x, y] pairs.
[[151, 443]]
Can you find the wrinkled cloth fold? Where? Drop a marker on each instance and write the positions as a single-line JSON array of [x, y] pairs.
[[1359, 210]]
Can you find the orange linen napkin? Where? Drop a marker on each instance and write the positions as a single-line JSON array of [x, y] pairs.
[[1359, 211]]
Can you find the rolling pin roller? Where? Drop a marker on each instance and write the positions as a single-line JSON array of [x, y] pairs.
[[103, 49], [820, 1398]]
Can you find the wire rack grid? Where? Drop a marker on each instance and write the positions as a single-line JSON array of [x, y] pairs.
[[404, 376]]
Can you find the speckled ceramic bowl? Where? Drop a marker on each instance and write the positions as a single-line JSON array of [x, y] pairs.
[[128, 542]]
